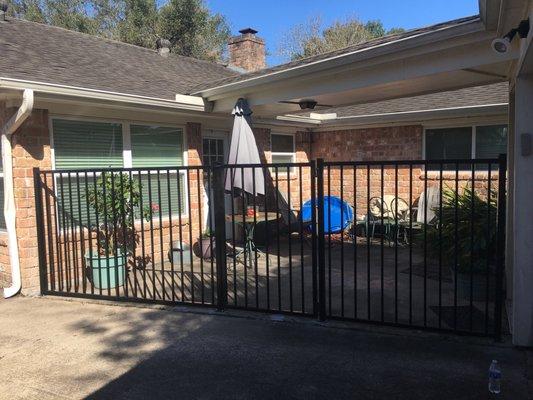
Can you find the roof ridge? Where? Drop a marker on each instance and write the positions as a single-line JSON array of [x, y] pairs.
[[400, 34], [114, 41]]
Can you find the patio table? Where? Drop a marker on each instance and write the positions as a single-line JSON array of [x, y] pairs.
[[248, 222]]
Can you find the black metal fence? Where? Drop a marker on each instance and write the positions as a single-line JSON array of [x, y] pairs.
[[408, 243]]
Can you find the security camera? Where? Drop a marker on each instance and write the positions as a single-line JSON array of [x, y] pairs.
[[501, 45]]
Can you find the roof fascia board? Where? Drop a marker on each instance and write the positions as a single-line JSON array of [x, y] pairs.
[[467, 32], [401, 116], [490, 12], [418, 116], [409, 69], [182, 102]]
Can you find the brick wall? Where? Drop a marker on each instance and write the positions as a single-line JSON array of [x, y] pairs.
[[31, 148], [384, 144]]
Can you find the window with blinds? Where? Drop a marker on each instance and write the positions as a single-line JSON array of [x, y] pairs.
[[467, 142], [87, 145], [157, 146], [82, 145]]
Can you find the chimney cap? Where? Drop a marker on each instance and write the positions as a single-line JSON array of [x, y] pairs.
[[248, 30]]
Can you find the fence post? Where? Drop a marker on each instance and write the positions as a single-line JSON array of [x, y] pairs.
[[314, 256], [220, 235], [321, 242], [39, 219], [500, 246]]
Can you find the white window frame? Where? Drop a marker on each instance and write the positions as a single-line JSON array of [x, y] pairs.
[[127, 158], [284, 153], [473, 134]]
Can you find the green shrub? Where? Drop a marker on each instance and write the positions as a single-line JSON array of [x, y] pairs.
[[464, 216], [116, 202]]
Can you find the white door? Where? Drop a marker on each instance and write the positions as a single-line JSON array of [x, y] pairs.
[[215, 150]]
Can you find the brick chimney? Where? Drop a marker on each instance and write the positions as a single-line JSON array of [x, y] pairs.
[[247, 51]]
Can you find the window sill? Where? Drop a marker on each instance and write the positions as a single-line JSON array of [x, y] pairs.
[[284, 177]]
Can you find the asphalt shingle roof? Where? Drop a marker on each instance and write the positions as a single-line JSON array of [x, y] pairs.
[[43, 53], [497, 93], [324, 56]]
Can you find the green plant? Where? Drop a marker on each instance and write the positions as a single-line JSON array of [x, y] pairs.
[[465, 216], [207, 233], [116, 201]]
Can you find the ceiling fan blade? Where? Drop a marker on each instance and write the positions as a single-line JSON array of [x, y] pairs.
[[288, 102]]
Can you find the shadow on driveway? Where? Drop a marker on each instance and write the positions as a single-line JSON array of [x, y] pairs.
[[59, 349]]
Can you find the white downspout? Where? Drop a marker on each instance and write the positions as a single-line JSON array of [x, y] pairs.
[[10, 211]]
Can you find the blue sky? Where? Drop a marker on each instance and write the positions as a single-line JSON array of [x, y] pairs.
[[272, 18]]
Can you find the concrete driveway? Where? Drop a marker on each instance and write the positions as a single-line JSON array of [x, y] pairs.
[[56, 349]]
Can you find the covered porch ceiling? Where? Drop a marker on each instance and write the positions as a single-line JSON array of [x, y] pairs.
[[453, 57]]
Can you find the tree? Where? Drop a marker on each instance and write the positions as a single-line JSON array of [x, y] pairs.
[[192, 30], [189, 25], [138, 23], [309, 39]]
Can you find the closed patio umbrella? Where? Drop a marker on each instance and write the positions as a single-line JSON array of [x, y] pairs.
[[243, 150]]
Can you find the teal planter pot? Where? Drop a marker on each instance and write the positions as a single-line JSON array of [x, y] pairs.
[[106, 272]]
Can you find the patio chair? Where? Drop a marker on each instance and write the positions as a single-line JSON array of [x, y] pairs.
[[292, 217], [379, 214], [427, 205]]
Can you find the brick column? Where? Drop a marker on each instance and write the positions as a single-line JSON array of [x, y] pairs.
[[31, 148]]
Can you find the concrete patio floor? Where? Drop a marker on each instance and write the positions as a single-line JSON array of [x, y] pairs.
[[53, 349]]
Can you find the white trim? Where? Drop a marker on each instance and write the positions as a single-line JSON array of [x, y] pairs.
[[209, 133], [194, 103], [400, 116], [127, 159]]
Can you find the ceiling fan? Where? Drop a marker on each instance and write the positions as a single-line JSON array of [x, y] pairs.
[[307, 104]]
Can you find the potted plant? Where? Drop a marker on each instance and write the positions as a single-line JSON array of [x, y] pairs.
[[206, 244], [115, 200], [465, 216]]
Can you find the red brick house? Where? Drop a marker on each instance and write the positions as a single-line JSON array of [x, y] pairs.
[[94, 100]]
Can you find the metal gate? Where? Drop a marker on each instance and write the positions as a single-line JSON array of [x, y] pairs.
[[404, 243]]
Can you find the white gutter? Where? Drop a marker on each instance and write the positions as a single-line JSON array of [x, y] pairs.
[[10, 211], [331, 120], [183, 102]]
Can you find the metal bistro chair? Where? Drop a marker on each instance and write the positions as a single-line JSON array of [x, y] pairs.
[[379, 214]]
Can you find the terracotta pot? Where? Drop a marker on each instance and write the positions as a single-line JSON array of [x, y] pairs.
[[207, 247]]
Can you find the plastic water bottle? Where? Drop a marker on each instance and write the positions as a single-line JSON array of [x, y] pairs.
[[495, 377]]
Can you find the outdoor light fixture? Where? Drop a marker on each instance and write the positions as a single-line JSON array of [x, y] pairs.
[[502, 45], [307, 104]]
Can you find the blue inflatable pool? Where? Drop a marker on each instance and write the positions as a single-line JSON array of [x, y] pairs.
[[337, 214]]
